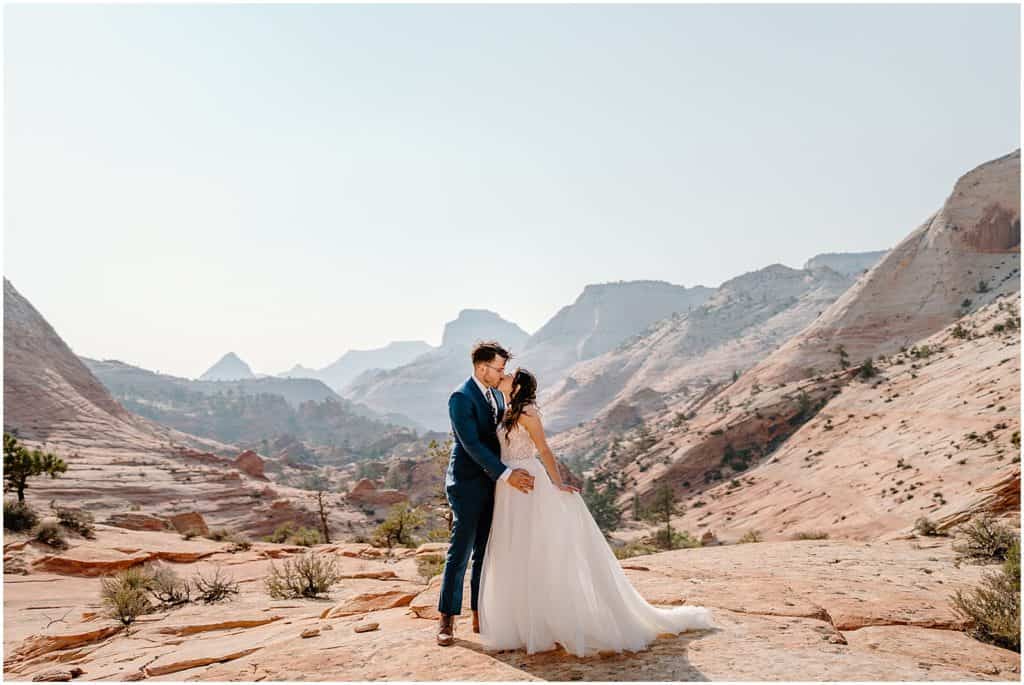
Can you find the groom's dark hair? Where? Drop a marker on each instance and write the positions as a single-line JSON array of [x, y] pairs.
[[487, 350]]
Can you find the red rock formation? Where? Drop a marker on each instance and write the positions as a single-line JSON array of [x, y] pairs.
[[251, 464], [133, 521], [366, 493], [190, 521]]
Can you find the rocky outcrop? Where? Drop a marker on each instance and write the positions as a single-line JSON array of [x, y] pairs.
[[472, 325], [135, 521], [365, 493], [962, 257], [251, 464], [190, 522]]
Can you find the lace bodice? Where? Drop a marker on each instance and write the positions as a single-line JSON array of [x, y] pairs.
[[519, 446]]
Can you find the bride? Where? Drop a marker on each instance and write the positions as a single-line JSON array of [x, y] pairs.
[[548, 574]]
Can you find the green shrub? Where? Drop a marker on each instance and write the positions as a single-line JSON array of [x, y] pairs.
[[239, 541], [287, 533], [984, 539], [123, 595], [680, 539], [961, 333], [77, 520], [311, 575], [811, 535], [925, 526], [19, 516], [634, 549], [398, 528], [430, 565], [438, 535], [993, 608], [751, 536], [601, 503], [280, 533], [305, 537], [49, 533]]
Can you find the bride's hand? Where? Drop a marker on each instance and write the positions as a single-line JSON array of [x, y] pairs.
[[565, 487]]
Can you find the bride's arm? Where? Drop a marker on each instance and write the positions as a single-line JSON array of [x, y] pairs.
[[531, 421]]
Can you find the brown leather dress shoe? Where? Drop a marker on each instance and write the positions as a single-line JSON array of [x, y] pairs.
[[476, 621], [446, 630]]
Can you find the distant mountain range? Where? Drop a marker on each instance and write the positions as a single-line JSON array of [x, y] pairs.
[[420, 388], [250, 411], [340, 373]]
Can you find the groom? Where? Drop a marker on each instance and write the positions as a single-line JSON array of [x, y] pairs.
[[475, 409]]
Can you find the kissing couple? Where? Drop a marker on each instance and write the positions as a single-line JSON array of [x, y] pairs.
[[543, 574]]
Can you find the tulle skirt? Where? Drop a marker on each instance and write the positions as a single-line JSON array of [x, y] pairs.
[[550, 577]]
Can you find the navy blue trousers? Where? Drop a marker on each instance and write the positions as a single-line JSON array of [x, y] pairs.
[[471, 525]]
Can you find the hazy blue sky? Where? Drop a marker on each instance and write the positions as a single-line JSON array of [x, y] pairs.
[[289, 182]]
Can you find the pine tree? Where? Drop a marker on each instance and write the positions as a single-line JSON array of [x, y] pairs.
[[20, 464]]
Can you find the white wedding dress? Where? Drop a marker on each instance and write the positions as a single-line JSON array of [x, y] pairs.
[[550, 577]]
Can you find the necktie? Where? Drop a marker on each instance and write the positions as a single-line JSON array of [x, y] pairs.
[[494, 405]]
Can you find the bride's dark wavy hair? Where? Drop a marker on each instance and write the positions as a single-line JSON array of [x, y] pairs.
[[523, 393]]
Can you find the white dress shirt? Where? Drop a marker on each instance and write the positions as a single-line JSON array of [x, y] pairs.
[[490, 399]]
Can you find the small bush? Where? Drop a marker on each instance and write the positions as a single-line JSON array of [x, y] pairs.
[[984, 538], [925, 526], [77, 520], [311, 575], [287, 533], [49, 533], [19, 516], [993, 608], [168, 588], [280, 533], [214, 587], [305, 537], [811, 535], [438, 535], [398, 528], [239, 541], [123, 595], [680, 539], [867, 369], [634, 549], [750, 536], [219, 534], [429, 565]]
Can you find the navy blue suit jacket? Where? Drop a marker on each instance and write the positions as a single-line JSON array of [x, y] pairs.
[[475, 449]]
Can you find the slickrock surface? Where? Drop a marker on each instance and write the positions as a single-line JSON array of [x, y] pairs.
[[881, 453], [807, 610]]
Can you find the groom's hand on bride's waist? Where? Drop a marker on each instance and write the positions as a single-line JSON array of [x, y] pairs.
[[521, 480]]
